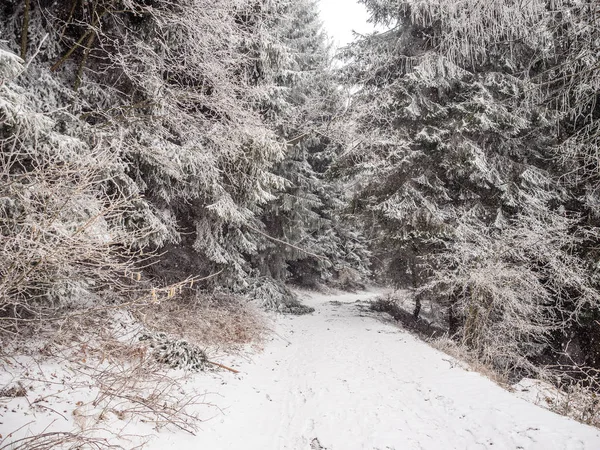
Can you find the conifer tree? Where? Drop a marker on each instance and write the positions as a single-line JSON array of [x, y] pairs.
[[197, 102], [457, 173], [302, 107], [169, 83]]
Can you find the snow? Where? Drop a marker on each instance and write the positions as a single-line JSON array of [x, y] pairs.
[[10, 65], [346, 378], [539, 392], [352, 380]]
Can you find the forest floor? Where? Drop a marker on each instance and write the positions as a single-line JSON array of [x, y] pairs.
[[345, 378], [341, 378]]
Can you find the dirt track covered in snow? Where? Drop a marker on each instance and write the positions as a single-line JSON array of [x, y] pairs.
[[344, 378]]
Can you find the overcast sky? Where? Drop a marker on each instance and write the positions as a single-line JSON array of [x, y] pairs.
[[340, 17]]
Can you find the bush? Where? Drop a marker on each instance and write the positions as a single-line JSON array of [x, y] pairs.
[[509, 289], [62, 229]]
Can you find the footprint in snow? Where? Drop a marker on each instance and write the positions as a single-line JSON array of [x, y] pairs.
[[316, 445]]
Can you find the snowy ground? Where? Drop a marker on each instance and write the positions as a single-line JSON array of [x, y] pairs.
[[345, 378]]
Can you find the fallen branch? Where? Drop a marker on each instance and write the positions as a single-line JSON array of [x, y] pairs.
[[223, 367]]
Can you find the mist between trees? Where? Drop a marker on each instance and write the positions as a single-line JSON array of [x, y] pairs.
[[152, 148]]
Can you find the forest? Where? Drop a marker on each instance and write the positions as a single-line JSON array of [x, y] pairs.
[[201, 152]]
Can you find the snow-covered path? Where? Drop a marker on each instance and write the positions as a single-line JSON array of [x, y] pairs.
[[340, 379]]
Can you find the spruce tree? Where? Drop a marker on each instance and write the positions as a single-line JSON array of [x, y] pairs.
[[168, 83], [458, 179], [197, 102], [312, 243]]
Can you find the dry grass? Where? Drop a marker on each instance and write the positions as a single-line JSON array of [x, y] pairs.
[[580, 392], [212, 320], [110, 334], [471, 362], [53, 441], [103, 349]]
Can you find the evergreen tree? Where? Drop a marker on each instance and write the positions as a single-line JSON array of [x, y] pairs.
[[311, 245], [196, 102], [169, 84], [457, 173]]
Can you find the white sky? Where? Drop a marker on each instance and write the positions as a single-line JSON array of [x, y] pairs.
[[341, 17]]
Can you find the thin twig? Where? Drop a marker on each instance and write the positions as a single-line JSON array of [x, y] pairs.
[[286, 243], [223, 366]]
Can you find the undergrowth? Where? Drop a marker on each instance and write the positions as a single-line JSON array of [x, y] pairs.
[[115, 378]]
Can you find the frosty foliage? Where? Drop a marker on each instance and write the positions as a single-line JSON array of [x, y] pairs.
[[473, 143], [191, 129], [302, 106], [62, 226], [513, 287]]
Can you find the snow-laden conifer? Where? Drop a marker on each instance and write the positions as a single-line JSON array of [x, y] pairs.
[[455, 157], [313, 244]]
